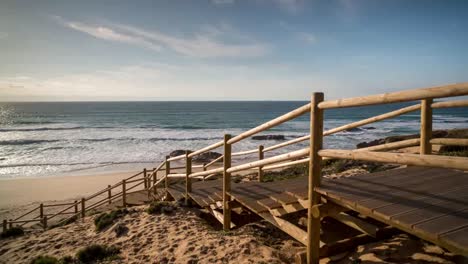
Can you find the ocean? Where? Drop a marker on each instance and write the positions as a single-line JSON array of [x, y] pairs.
[[69, 138]]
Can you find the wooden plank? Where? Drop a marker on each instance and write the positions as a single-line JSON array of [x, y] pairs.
[[444, 224], [410, 192], [458, 239], [403, 203], [270, 203], [459, 195], [357, 189], [283, 198]]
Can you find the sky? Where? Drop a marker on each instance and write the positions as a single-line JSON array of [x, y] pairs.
[[227, 49]]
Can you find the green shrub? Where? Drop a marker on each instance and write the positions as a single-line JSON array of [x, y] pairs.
[[13, 232], [158, 207], [104, 220], [94, 253], [45, 260]]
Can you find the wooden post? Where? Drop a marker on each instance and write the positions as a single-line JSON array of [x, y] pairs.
[[188, 171], [426, 127], [226, 183], [109, 193], [44, 222], [204, 169], [155, 179], [124, 193], [76, 208], [5, 227], [260, 168], [83, 209], [316, 137], [41, 210], [145, 180], [10, 224], [168, 171]]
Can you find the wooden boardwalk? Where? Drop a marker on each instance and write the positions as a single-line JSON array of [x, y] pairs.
[[431, 203]]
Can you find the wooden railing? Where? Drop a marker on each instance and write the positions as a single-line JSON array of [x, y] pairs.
[[313, 154]]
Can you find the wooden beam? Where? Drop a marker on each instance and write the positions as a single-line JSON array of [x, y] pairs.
[[210, 147], [315, 170], [275, 159], [450, 141], [373, 119], [219, 216], [426, 127], [289, 228], [457, 89], [458, 103], [188, 180], [260, 168], [286, 164], [327, 209], [226, 183], [287, 143], [168, 171], [391, 146], [448, 162], [356, 223]]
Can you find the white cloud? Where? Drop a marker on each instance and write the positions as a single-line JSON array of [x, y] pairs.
[[204, 44], [164, 82]]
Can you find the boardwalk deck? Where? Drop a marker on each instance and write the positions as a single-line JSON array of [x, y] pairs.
[[431, 203]]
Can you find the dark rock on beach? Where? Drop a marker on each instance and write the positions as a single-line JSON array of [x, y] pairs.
[[269, 137], [178, 152], [207, 156], [355, 129], [204, 157]]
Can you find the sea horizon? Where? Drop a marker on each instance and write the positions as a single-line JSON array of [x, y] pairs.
[[41, 139]]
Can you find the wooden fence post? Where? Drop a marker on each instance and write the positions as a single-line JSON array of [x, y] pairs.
[[145, 180], [124, 193], [5, 227], [41, 210], [44, 222], [204, 169], [155, 179], [109, 193], [168, 171], [316, 137], [83, 208], [426, 127], [10, 223], [226, 184], [260, 168], [188, 171], [76, 207]]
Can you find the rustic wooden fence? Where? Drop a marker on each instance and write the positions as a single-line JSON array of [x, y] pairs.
[[313, 155]]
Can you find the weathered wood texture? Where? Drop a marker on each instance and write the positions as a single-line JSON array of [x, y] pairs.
[[430, 203], [457, 89]]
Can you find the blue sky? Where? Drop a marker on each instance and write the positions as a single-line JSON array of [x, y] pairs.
[[227, 49]]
